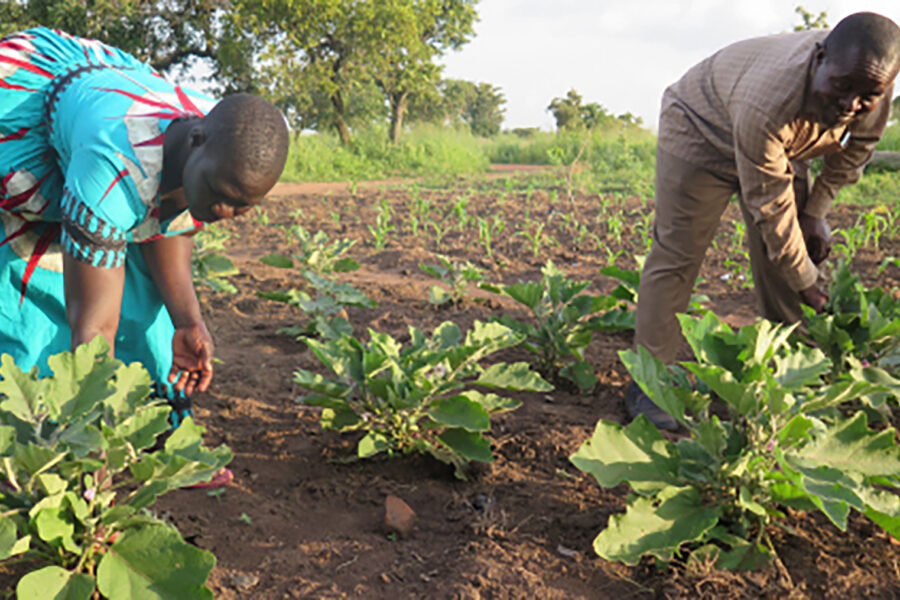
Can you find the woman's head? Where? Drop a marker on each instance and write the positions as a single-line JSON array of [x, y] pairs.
[[237, 153]]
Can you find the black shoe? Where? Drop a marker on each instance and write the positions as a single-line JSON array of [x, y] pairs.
[[638, 403]]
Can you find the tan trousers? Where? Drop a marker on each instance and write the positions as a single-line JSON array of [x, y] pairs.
[[690, 201]]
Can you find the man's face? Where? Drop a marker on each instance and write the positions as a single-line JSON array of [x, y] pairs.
[[847, 85], [213, 191]]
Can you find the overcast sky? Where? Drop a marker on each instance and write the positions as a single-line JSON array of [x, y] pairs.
[[620, 53]]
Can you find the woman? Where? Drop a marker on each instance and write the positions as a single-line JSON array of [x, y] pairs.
[[104, 167]]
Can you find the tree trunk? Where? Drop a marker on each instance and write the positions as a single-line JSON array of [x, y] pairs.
[[340, 118], [399, 101]]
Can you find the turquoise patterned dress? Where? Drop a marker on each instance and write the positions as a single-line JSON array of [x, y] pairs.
[[81, 131]]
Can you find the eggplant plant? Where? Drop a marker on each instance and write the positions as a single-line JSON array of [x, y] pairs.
[[426, 397], [714, 493], [325, 303], [78, 472], [314, 253], [859, 327], [565, 319]]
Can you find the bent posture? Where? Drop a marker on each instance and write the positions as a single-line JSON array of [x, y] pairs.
[[746, 121], [105, 171]]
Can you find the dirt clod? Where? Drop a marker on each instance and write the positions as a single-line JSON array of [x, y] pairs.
[[398, 516]]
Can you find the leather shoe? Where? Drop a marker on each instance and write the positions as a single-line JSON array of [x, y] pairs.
[[638, 403]]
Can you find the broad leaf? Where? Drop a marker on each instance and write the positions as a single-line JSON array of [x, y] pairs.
[[469, 445], [656, 526], [459, 411], [153, 563], [55, 583], [516, 376], [636, 453]]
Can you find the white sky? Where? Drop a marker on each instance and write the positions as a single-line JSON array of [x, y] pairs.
[[620, 53]]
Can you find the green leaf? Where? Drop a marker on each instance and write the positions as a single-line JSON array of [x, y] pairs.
[[636, 453], [742, 396], [345, 265], [277, 260], [81, 380], [492, 403], [54, 526], [55, 583], [468, 444], [339, 419], [515, 376], [850, 446], [10, 543], [22, 393], [529, 294], [801, 367], [133, 386], [459, 411], [653, 377], [152, 562], [319, 384], [371, 444], [438, 295], [581, 373], [656, 526], [142, 427]]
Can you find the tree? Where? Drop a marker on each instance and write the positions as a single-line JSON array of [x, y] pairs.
[[305, 50], [810, 20], [570, 113], [166, 33], [484, 113], [413, 33], [459, 102]]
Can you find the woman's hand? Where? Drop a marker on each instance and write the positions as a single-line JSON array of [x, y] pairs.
[[192, 354]]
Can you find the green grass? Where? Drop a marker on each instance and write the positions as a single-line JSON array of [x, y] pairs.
[[890, 141], [425, 150]]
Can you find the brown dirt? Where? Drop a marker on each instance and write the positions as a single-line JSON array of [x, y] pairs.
[[523, 526]]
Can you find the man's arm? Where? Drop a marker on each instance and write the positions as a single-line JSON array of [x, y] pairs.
[[766, 181], [93, 300], [169, 261], [844, 168]]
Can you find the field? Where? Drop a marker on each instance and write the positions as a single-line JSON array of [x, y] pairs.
[[302, 521]]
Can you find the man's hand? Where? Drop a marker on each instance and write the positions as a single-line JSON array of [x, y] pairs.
[[817, 235], [813, 296], [192, 366]]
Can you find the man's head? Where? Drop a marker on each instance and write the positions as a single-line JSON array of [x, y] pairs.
[[237, 154], [854, 67]]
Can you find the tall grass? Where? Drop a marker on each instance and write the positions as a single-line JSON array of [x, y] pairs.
[[890, 141], [613, 158], [425, 150]]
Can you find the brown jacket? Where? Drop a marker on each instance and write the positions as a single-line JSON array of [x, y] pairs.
[[742, 113]]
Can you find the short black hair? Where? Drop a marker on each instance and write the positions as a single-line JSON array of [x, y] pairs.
[[875, 35], [252, 134]]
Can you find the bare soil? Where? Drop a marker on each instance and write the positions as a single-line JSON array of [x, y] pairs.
[[300, 522]]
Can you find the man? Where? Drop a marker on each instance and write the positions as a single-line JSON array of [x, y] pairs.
[[746, 121]]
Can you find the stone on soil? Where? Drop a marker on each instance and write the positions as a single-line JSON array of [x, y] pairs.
[[398, 516]]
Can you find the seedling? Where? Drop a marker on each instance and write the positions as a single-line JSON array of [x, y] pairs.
[[209, 265], [314, 253], [456, 275]]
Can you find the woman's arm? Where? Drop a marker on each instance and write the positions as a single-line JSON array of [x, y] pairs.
[[169, 261], [93, 300]]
